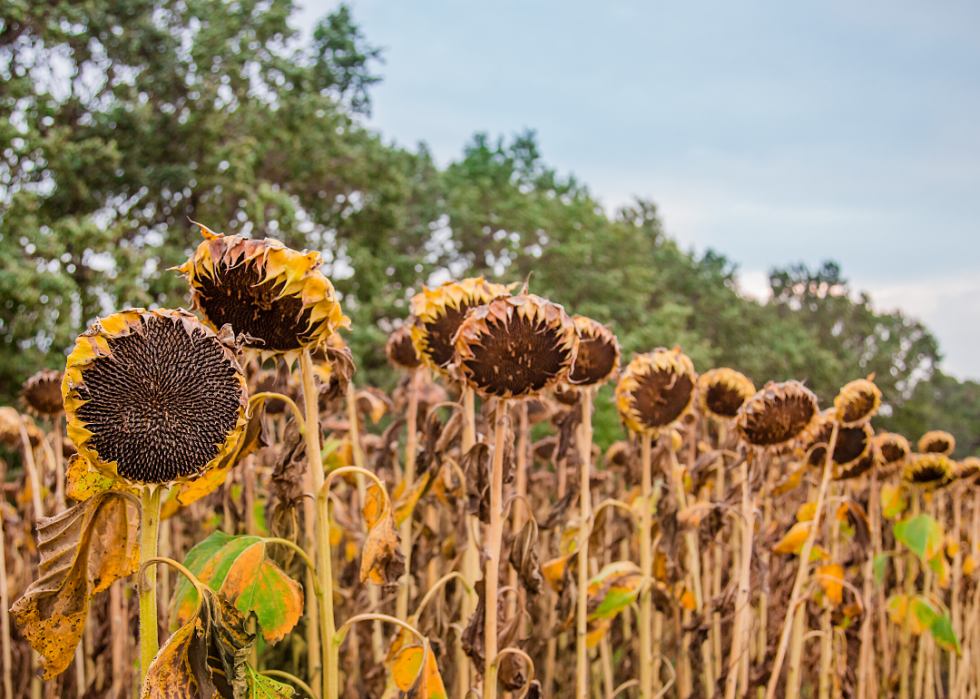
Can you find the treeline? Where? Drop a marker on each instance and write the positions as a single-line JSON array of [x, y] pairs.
[[122, 123]]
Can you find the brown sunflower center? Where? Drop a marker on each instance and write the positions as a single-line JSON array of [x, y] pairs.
[[893, 451], [858, 407], [724, 400], [781, 420], [440, 333], [402, 351], [929, 473], [44, 394], [162, 404], [237, 296], [862, 465], [661, 397], [595, 360], [516, 358], [936, 445]]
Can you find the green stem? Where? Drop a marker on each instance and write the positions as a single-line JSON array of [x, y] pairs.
[[149, 528], [293, 679], [331, 683]]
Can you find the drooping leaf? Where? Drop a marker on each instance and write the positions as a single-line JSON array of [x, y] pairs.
[[204, 658], [405, 504], [922, 535], [83, 481], [262, 687], [476, 467], [614, 588], [828, 577], [83, 551], [893, 502], [794, 539], [554, 570], [690, 517], [239, 567], [382, 561], [942, 630], [415, 674], [524, 557], [806, 511]]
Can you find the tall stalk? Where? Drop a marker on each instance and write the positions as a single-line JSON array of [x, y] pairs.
[[796, 597], [8, 687], [493, 561], [322, 526], [585, 522], [411, 450], [149, 528], [866, 657], [646, 567], [471, 560], [738, 653]]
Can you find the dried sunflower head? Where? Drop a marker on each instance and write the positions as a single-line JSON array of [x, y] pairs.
[[937, 442], [400, 349], [598, 353], [892, 447], [853, 443], [857, 402], [859, 466], [42, 393], [439, 312], [721, 392], [929, 471], [515, 346], [968, 468], [274, 296], [9, 427], [779, 416], [154, 396], [656, 390]]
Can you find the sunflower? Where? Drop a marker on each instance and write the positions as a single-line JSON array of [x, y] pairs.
[[778, 416], [275, 297], [400, 349], [154, 396], [42, 393], [439, 312], [859, 466], [598, 353], [656, 390], [937, 442], [929, 471], [853, 443], [857, 402], [721, 392], [892, 447], [515, 346], [968, 468]]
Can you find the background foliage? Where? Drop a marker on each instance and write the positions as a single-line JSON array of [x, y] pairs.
[[120, 122]]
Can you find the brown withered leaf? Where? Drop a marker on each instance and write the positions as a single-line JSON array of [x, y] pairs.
[[524, 557], [559, 510], [512, 674], [535, 692], [472, 639], [433, 435], [341, 371], [372, 402], [567, 423], [83, 550], [476, 467], [859, 523], [690, 517], [388, 448], [451, 432], [382, 561], [204, 658], [406, 502]]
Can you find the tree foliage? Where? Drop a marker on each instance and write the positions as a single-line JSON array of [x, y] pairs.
[[120, 123]]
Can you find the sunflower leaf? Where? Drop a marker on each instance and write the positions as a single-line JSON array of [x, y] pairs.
[[83, 550], [382, 561]]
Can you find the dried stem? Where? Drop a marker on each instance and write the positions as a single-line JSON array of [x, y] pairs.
[[646, 568], [491, 573], [411, 450], [585, 525]]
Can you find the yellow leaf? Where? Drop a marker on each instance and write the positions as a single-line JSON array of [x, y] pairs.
[[828, 577], [952, 546], [842, 513], [806, 511], [819, 553], [969, 565], [382, 561], [794, 539], [688, 601]]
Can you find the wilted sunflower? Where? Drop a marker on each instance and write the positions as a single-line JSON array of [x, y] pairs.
[[778, 416], [42, 393], [656, 390], [598, 353], [515, 346], [439, 312], [853, 443], [400, 349], [721, 392], [154, 396], [857, 402], [968, 468], [929, 471], [275, 296], [859, 466], [937, 442]]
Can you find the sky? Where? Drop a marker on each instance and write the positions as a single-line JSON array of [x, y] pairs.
[[773, 132]]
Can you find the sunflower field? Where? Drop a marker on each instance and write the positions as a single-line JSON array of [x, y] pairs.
[[428, 432]]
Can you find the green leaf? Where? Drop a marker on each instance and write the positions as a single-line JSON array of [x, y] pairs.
[[924, 611], [942, 630], [613, 589], [262, 687], [922, 535], [880, 567], [239, 568]]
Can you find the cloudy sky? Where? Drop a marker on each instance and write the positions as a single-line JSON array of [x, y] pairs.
[[773, 132]]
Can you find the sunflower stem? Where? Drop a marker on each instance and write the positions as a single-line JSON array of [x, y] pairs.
[[149, 530], [8, 687], [411, 448], [493, 561], [585, 523], [796, 597], [471, 561], [646, 567], [330, 668]]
